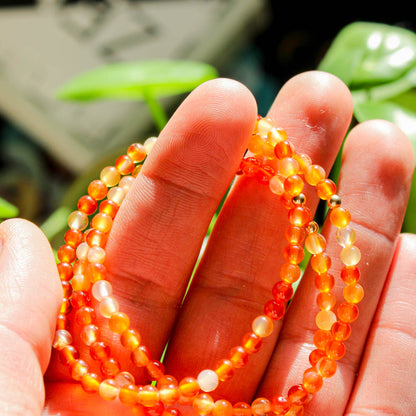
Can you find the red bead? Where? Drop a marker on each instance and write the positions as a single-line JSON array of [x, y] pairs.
[[109, 207], [66, 253], [274, 309], [80, 298], [73, 237], [87, 204], [65, 271], [282, 291]]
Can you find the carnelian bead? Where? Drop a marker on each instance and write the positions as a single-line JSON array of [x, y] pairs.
[[100, 351], [340, 217], [62, 339], [325, 319], [347, 312], [295, 410], [62, 322], [353, 293], [276, 135], [78, 368], [109, 207], [77, 220], [325, 189], [324, 282], [110, 367], [119, 322], [66, 288], [155, 369], [224, 369], [102, 222], [335, 350], [66, 306], [251, 342], [350, 256], [80, 298], [255, 144], [124, 164], [108, 306], [287, 201], [312, 380], [293, 253], [326, 367], [238, 357], [65, 271], [304, 161], [73, 237], [130, 339], [97, 189], [298, 395], [314, 174], [315, 356], [96, 255], [222, 408], [284, 149], [87, 204], [282, 291], [326, 301], [108, 389], [95, 272], [148, 396], [350, 275], [280, 405], [321, 263], [80, 266], [89, 334], [68, 354], [124, 378], [300, 216], [341, 331], [276, 184], [167, 380], [80, 282], [322, 338], [171, 411], [294, 185], [141, 356], [110, 176], [315, 243], [261, 406], [169, 394], [203, 404], [116, 195], [290, 273], [189, 387], [90, 382], [295, 235], [156, 410], [136, 152], [241, 409], [96, 238], [129, 394], [85, 315], [345, 236], [274, 309], [263, 125], [262, 326], [288, 167]]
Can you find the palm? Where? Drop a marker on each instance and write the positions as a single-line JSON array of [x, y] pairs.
[[156, 240]]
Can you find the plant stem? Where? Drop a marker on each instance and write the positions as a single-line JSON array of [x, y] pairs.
[[158, 113]]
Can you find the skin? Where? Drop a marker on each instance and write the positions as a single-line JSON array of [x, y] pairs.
[[155, 242]]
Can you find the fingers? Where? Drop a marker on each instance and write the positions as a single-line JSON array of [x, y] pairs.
[[383, 385], [161, 225], [243, 256], [30, 297], [374, 186]]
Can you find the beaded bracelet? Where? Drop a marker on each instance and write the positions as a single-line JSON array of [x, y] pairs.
[[83, 275]]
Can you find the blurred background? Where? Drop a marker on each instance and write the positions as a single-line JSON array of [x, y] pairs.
[[47, 144]]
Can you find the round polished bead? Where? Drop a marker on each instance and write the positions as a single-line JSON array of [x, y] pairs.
[[321, 263], [315, 243], [314, 174], [80, 283], [124, 164], [312, 380], [241, 409], [298, 395], [326, 300], [65, 271], [284, 149], [148, 396], [340, 217], [97, 189], [288, 167], [109, 207], [155, 369], [280, 405], [169, 394], [345, 236], [96, 255], [274, 309], [350, 275], [326, 367], [129, 394], [85, 315], [262, 326], [347, 312], [335, 350], [126, 183], [276, 184], [78, 220], [87, 204], [119, 322], [350, 256], [189, 387], [282, 291], [293, 254], [110, 176], [136, 152], [290, 273], [334, 201], [304, 161], [66, 253], [251, 342], [325, 319], [110, 368], [141, 356], [276, 135], [322, 338], [82, 251], [96, 238], [90, 382], [100, 351], [116, 195], [101, 289], [73, 237], [102, 222], [62, 339], [255, 144], [238, 357], [222, 407], [295, 234], [89, 334], [108, 389], [353, 293], [224, 369], [203, 404], [78, 368], [261, 406], [108, 306], [325, 189], [96, 272], [300, 216], [293, 185], [263, 125], [149, 143], [124, 378], [315, 356], [130, 339], [341, 331], [208, 380]]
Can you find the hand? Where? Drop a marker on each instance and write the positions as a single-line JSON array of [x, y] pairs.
[[156, 239]]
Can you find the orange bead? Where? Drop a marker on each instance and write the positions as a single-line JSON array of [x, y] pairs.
[[353, 293], [80, 266], [141, 356], [62, 322], [66, 288], [314, 174], [169, 394], [290, 273], [284, 149], [129, 394], [65, 271], [347, 312], [110, 367], [89, 334], [95, 272], [324, 282], [255, 144], [119, 322], [251, 342], [295, 410], [130, 339], [241, 409], [315, 356], [68, 354], [100, 351], [189, 387], [136, 152], [90, 382], [97, 190], [280, 405], [102, 222], [350, 275], [78, 368], [340, 217], [87, 204], [321, 263], [73, 237], [312, 380], [298, 395], [224, 369], [238, 357], [295, 235], [96, 238], [66, 306], [303, 160], [155, 369], [261, 406], [325, 189], [108, 389], [222, 408], [85, 315], [124, 164], [66, 254], [148, 396], [335, 350], [282, 291], [293, 185], [80, 282], [326, 367], [203, 404], [293, 254], [341, 331], [300, 216], [326, 301], [322, 338], [325, 319], [109, 207], [315, 243]]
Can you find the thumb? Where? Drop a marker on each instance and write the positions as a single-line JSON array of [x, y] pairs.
[[30, 297]]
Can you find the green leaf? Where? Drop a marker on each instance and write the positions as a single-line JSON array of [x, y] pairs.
[[138, 80], [7, 210], [365, 54]]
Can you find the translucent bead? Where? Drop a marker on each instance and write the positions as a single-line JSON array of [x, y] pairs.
[[89, 334], [300, 216], [293, 254], [325, 320], [326, 367], [155, 369], [73, 237], [276, 135], [241, 409], [263, 125], [251, 342], [290, 273], [189, 387], [282, 291], [149, 143], [325, 188], [326, 301], [96, 238], [284, 149], [208, 380], [167, 380], [108, 306], [255, 144], [347, 312], [321, 263], [293, 185], [261, 406], [295, 410], [276, 184], [82, 251], [109, 207], [97, 189], [125, 183], [353, 293], [350, 275], [77, 220], [238, 357], [101, 289], [303, 160], [169, 394], [288, 167], [124, 164], [100, 351], [315, 356], [62, 339], [335, 350], [80, 298], [130, 339], [124, 378], [322, 338], [345, 236], [222, 408], [96, 272], [110, 368], [203, 404], [129, 395], [65, 271], [116, 195], [80, 266], [350, 256], [275, 310], [96, 255], [341, 331], [80, 283], [314, 174], [148, 396], [141, 356], [136, 152], [66, 254], [312, 381], [108, 389], [85, 315], [62, 322], [262, 326], [340, 217], [78, 368], [90, 382], [295, 234], [87, 204], [110, 176], [102, 222], [224, 369], [298, 395], [119, 322], [315, 243]]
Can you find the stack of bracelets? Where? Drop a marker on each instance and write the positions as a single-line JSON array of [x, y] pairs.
[[87, 292]]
